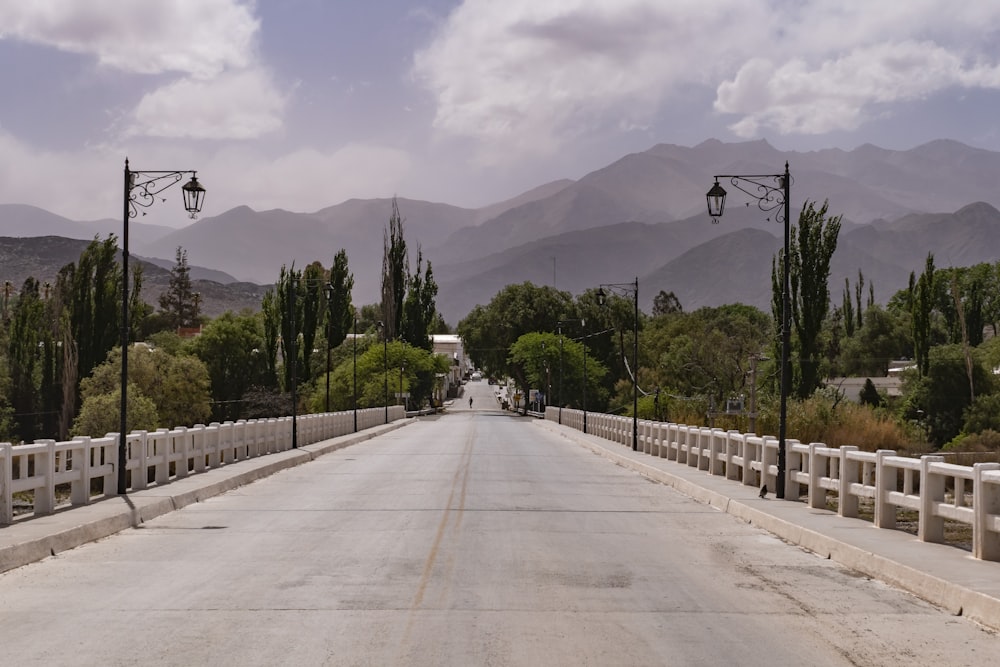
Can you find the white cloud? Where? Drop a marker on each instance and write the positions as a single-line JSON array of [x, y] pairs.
[[239, 105], [525, 77], [529, 77], [197, 37], [841, 93]]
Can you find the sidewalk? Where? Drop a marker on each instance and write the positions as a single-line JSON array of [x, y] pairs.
[[33, 539], [943, 575]]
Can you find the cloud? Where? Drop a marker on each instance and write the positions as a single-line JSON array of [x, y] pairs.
[[239, 105], [527, 77], [524, 77], [198, 37], [841, 93]]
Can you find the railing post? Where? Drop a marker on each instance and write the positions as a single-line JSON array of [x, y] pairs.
[[79, 489], [985, 503], [45, 497], [6, 480], [886, 481], [748, 451], [930, 526], [847, 504], [816, 492]]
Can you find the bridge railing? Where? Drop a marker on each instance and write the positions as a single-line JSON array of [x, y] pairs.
[[837, 478], [89, 465]]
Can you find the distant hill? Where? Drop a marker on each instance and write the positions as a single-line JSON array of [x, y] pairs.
[[642, 215], [42, 258]]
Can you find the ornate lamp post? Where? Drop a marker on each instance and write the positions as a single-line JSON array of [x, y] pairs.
[[328, 291], [772, 192], [633, 289], [385, 367], [355, 371], [141, 189]]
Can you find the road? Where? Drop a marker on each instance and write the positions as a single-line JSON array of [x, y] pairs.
[[473, 538]]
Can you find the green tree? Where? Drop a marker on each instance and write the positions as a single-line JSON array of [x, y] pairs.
[[921, 303], [812, 246], [419, 308], [542, 356], [340, 310], [26, 346], [99, 414], [229, 346], [488, 332], [941, 397], [178, 386], [180, 306], [90, 291], [395, 269]]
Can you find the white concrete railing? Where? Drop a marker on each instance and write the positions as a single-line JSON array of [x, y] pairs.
[[40, 467], [819, 472]]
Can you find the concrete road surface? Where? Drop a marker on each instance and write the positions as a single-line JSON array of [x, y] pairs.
[[473, 538]]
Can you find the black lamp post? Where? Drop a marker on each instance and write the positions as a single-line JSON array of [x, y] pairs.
[[633, 289], [355, 371], [141, 188], [559, 326], [328, 291], [385, 367], [294, 360], [402, 367], [772, 192]]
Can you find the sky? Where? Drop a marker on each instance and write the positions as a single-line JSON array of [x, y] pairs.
[[302, 104]]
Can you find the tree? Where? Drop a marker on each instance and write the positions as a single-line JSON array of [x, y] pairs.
[[229, 346], [419, 309], [666, 303], [99, 414], [395, 269], [870, 396], [921, 302], [340, 310], [26, 344], [489, 331], [812, 246], [180, 305], [90, 291], [941, 396], [178, 386], [542, 356]]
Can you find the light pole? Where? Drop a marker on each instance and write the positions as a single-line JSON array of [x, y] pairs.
[[627, 288], [328, 291], [355, 371], [141, 188], [385, 367], [772, 191], [402, 367], [294, 359], [559, 326]]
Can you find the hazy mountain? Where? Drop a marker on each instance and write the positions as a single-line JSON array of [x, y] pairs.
[[642, 215], [19, 220], [42, 257]]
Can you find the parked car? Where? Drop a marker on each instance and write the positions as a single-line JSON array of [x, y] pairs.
[[477, 376]]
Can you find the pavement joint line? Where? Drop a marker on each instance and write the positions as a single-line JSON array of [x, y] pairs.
[[983, 606], [35, 538]]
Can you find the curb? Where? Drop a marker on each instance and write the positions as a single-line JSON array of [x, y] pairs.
[[70, 527], [955, 598]]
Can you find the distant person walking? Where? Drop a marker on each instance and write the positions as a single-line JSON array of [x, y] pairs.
[[470, 402]]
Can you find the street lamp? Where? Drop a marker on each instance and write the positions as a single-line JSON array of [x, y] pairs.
[[402, 367], [633, 289], [355, 371], [294, 359], [328, 291], [141, 188], [385, 367], [559, 326], [773, 193]]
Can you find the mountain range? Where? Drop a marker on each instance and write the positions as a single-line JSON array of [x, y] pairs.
[[643, 216]]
